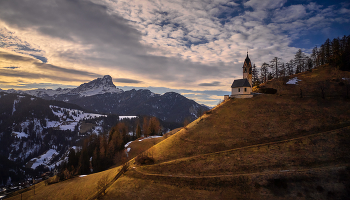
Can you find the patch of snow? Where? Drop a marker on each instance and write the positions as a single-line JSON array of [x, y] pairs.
[[82, 175], [131, 133], [127, 144], [68, 126], [14, 106], [150, 137], [127, 117], [20, 134], [44, 159], [97, 130], [128, 149], [293, 81]]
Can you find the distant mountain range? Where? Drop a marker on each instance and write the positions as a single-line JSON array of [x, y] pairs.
[[38, 127], [102, 96]]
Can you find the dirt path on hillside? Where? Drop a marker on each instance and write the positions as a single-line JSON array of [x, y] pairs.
[[291, 171], [334, 131]]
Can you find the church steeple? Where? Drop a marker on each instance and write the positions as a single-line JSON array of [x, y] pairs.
[[247, 69]]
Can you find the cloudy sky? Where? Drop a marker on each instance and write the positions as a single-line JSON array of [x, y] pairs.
[[194, 47]]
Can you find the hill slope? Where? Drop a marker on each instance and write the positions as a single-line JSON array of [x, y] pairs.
[[269, 147]]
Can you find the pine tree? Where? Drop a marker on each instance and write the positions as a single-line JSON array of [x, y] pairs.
[[255, 75]]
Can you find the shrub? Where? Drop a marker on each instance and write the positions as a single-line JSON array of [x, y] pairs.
[[101, 184], [268, 90], [144, 160]]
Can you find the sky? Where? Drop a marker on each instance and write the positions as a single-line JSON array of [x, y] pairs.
[[194, 47]]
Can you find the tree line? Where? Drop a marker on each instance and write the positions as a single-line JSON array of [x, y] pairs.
[[335, 53], [99, 152]]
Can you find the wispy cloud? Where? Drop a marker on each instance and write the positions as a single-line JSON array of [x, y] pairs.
[[126, 80], [214, 83]]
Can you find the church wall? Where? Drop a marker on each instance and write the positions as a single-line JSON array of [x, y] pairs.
[[234, 91]]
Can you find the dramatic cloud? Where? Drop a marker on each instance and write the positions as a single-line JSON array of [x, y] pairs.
[[178, 44]]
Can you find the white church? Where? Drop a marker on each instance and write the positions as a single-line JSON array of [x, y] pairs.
[[242, 88]]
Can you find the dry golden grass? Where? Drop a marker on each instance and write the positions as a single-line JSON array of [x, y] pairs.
[[311, 81], [78, 187], [133, 188], [327, 148], [137, 147], [243, 122]]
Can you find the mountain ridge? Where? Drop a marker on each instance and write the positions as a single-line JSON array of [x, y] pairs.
[[102, 96]]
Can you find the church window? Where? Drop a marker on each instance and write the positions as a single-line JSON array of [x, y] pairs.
[[239, 89], [245, 89], [245, 70]]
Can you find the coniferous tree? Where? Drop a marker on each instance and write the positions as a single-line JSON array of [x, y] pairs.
[[255, 75]]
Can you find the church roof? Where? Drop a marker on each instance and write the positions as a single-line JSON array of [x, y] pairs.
[[240, 83], [247, 60]]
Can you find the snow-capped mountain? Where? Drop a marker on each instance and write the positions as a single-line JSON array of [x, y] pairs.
[[97, 86]]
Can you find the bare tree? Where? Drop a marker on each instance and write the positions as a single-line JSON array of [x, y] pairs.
[[290, 68], [276, 64], [299, 61], [264, 72]]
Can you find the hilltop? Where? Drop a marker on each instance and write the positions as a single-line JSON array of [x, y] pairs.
[[272, 146]]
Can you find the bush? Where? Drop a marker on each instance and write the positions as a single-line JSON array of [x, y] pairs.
[[268, 90], [144, 160]]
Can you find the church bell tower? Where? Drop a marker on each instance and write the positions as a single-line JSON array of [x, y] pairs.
[[247, 70]]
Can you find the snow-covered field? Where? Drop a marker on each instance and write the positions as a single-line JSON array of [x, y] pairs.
[[69, 118]]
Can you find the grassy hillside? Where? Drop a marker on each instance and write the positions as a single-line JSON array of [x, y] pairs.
[[277, 146], [75, 188]]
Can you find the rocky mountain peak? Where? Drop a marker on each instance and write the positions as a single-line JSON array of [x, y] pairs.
[[97, 86]]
